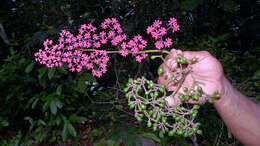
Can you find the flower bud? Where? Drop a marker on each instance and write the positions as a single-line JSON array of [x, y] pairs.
[[185, 89], [153, 57], [160, 71], [149, 124]]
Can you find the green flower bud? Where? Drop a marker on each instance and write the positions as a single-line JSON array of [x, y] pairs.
[[153, 57], [199, 132], [164, 101], [135, 81], [211, 101], [127, 95], [194, 115], [173, 78], [163, 86], [151, 85], [163, 114], [181, 97], [132, 106], [185, 89], [171, 133], [162, 89], [125, 89], [195, 97], [139, 119], [199, 89], [164, 120], [178, 59], [146, 92], [154, 127], [156, 94], [179, 132], [149, 124], [196, 106], [160, 71], [143, 107], [183, 61]]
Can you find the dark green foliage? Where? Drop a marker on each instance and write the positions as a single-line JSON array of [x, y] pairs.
[[40, 105]]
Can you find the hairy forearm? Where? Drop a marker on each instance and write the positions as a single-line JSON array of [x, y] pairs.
[[241, 115]]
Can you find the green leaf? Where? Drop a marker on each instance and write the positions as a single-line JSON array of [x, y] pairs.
[[45, 106], [53, 107], [89, 77], [72, 130], [29, 67], [59, 90], [64, 133], [42, 71], [34, 103], [51, 73], [100, 142], [151, 136]]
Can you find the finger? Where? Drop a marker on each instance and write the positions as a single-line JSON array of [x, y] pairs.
[[163, 78], [172, 101], [199, 54]]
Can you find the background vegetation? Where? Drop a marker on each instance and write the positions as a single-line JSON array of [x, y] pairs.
[[49, 106]]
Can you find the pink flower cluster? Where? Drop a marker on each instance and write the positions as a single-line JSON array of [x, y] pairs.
[[81, 51], [158, 32]]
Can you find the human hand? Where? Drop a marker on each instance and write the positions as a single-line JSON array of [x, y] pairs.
[[207, 71]]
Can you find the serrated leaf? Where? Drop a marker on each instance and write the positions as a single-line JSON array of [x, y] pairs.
[[151, 136], [53, 107], [29, 67], [72, 130]]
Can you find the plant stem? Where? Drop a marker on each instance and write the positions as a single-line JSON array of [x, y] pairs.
[[179, 85], [140, 52]]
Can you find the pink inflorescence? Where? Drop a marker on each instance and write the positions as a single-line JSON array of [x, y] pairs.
[[81, 51], [158, 32]]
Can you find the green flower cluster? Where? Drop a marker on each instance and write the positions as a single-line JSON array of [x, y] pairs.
[[148, 100]]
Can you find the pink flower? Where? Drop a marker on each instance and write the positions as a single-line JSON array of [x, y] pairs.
[[159, 44], [68, 50], [173, 25], [168, 42], [139, 58], [137, 44], [124, 52]]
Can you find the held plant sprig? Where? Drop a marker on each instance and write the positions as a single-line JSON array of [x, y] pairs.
[[147, 99]]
